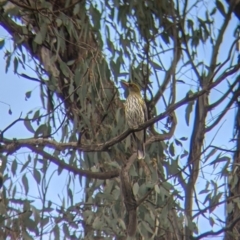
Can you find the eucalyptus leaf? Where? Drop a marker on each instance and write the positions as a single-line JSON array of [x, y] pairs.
[[2, 43], [25, 184]]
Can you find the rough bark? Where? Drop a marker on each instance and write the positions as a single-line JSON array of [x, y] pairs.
[[84, 87]]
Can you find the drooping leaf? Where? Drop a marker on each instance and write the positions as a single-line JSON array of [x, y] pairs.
[[212, 152], [25, 184], [221, 8], [135, 188], [37, 176], [171, 149], [188, 111], [203, 191], [38, 38], [219, 160], [28, 125], [76, 9], [14, 167], [64, 68], [25, 165], [96, 17], [15, 65], [157, 189], [178, 142], [155, 65], [2, 43], [28, 94], [183, 138], [70, 195], [42, 130], [44, 221]]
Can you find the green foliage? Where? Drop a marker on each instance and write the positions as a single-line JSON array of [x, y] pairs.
[[81, 50], [2, 43]]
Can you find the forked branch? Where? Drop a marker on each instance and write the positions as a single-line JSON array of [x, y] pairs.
[[9, 145]]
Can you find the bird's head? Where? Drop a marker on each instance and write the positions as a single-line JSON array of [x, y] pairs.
[[132, 87]]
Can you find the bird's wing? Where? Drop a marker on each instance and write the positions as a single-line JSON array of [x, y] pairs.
[[145, 111]]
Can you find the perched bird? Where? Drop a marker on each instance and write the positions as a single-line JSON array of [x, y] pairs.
[[136, 114]]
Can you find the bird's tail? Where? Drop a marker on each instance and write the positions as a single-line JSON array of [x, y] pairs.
[[141, 151], [139, 138]]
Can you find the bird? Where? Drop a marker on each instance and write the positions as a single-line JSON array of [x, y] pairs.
[[136, 114]]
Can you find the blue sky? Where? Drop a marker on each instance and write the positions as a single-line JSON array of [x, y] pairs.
[[223, 132], [12, 95]]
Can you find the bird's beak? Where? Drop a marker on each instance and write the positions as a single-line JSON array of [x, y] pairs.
[[124, 84]]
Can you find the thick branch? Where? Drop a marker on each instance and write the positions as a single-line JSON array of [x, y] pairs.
[[75, 170], [11, 144], [15, 30], [165, 136], [196, 142], [129, 199]]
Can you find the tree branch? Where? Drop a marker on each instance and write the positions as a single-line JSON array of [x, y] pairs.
[[139, 202], [215, 204], [213, 105], [209, 128], [15, 30], [28, 7], [222, 149], [165, 136], [12, 144], [75, 170], [217, 45], [129, 198], [212, 233]]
